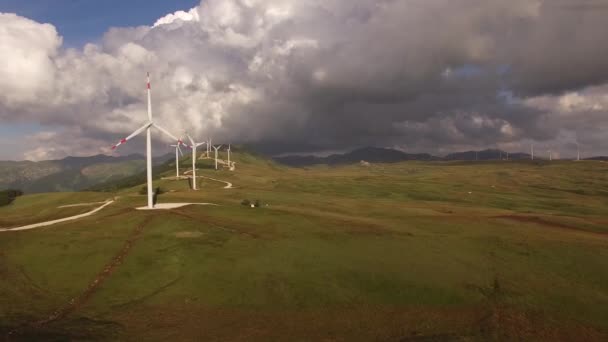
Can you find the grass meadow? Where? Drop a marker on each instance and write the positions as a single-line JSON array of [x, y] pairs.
[[470, 251]]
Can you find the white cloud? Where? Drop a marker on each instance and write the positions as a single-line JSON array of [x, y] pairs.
[[191, 15], [27, 71], [334, 72]]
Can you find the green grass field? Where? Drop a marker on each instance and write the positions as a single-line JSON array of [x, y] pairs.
[[410, 251]]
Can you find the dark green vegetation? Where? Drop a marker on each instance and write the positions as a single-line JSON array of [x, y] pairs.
[[406, 251], [8, 196], [71, 173]]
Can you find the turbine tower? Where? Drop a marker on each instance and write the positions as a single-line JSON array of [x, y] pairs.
[[193, 147], [532, 151], [216, 148], [550, 155], [578, 152], [178, 149], [229, 164], [147, 127]]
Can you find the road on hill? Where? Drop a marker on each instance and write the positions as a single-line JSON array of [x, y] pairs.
[[52, 222], [228, 184]]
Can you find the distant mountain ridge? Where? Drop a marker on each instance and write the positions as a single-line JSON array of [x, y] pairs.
[[70, 173], [387, 155], [489, 154], [368, 154]]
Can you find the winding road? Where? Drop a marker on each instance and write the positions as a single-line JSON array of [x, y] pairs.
[[228, 184], [105, 204], [65, 219]]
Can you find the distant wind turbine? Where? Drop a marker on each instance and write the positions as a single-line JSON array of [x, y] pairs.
[[178, 149], [147, 127], [532, 151], [193, 146], [216, 148]]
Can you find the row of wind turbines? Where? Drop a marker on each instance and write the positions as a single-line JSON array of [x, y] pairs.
[[179, 142], [194, 145], [551, 154]]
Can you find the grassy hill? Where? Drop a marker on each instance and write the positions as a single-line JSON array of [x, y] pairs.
[[71, 173], [415, 250]]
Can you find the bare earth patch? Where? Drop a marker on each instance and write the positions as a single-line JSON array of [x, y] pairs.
[[545, 223], [188, 235]]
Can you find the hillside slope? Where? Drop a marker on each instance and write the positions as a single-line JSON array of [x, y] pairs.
[[71, 173], [422, 251]]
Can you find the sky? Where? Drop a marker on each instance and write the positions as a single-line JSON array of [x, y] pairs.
[[84, 21], [289, 76]]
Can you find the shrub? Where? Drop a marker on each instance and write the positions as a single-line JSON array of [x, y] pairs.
[[8, 196], [257, 203], [246, 202]]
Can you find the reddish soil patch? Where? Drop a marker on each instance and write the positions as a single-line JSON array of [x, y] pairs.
[[352, 323], [208, 221], [542, 222]]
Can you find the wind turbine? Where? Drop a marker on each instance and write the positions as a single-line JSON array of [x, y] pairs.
[[578, 152], [147, 127], [216, 148], [179, 142], [532, 151], [194, 146]]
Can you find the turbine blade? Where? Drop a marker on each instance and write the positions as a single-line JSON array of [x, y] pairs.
[[180, 151], [191, 140], [165, 132], [139, 130]]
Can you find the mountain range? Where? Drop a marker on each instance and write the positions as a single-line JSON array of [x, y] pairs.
[[103, 172], [387, 155], [71, 173]]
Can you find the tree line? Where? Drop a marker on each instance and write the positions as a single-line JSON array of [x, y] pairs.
[[8, 196]]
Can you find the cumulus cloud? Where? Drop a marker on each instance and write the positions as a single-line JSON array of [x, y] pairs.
[[293, 76], [169, 19], [27, 70]]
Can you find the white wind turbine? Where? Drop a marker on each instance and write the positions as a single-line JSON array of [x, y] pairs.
[[216, 148], [230, 164], [147, 127], [532, 151], [193, 147], [178, 149]]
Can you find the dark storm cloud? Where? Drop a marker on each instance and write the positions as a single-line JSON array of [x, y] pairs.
[[335, 74]]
